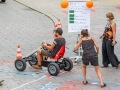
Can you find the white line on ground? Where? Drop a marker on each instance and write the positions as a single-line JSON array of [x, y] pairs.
[[28, 83]]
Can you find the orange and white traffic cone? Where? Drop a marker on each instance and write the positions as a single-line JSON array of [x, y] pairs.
[[59, 24], [19, 55]]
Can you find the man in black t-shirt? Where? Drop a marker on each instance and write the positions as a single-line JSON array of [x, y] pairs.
[[52, 48]]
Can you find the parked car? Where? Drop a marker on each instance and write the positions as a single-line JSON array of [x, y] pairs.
[[3, 0]]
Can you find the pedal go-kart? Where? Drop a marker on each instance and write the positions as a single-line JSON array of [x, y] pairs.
[[54, 65]]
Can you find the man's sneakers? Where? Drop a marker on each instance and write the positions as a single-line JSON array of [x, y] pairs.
[[37, 66]]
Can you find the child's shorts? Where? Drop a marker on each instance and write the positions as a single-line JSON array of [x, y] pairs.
[[92, 60]]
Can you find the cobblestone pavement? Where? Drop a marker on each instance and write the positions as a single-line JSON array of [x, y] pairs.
[[22, 25]]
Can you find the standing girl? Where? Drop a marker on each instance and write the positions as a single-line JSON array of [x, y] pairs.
[[90, 55]]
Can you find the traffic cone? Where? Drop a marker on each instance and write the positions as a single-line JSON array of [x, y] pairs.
[[59, 24], [19, 55]]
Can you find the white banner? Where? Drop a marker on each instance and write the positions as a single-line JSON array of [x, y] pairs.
[[78, 16]]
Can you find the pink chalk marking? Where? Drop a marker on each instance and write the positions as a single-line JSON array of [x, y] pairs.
[[48, 76], [65, 12], [92, 10], [63, 88], [118, 7], [7, 61], [62, 71], [72, 85]]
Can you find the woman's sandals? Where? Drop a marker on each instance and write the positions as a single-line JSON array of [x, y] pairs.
[[85, 83], [102, 86]]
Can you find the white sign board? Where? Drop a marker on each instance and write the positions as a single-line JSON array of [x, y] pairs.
[[78, 16]]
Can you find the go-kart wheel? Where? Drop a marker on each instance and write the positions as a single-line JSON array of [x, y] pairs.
[[20, 64], [53, 69], [33, 61], [68, 64]]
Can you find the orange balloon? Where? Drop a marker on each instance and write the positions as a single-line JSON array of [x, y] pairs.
[[64, 4], [89, 4]]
